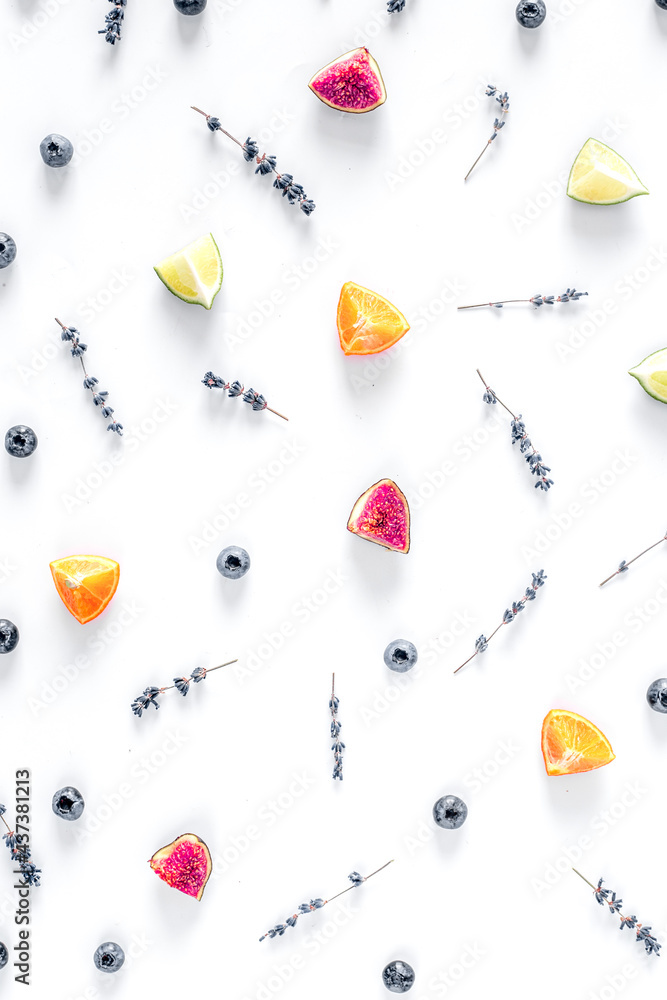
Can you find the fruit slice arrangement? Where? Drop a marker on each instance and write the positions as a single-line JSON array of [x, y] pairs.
[[367, 323], [85, 584], [599, 176], [194, 274], [352, 82], [185, 864], [651, 373], [382, 515], [572, 744]]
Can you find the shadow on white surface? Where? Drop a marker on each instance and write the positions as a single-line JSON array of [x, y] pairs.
[[22, 470], [578, 794]]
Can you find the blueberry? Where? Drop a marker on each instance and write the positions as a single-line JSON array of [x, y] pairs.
[[7, 250], [56, 150], [662, 3], [531, 13], [233, 562], [190, 6], [4, 955], [450, 812], [398, 977], [400, 655], [68, 803], [20, 441], [656, 695], [9, 636], [109, 957]]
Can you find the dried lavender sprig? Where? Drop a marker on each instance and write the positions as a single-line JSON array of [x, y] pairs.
[[316, 904], [519, 435], [20, 854], [602, 896], [338, 746], [265, 165], [114, 20], [395, 6], [570, 295], [482, 643], [498, 123], [623, 565], [235, 389], [150, 695], [77, 350]]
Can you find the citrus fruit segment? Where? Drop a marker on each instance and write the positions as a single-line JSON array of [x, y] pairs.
[[185, 864], [85, 584], [382, 515], [353, 83], [599, 176], [651, 373], [367, 323], [194, 274], [572, 744]]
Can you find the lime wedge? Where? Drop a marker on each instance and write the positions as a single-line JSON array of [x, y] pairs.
[[651, 374], [599, 176], [194, 274]]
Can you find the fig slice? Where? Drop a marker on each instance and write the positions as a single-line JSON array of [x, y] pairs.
[[185, 864], [353, 83], [382, 515]]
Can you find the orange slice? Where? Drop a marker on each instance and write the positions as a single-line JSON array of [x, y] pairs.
[[571, 744], [367, 323], [85, 584]]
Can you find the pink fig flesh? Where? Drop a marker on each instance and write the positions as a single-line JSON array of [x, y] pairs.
[[352, 82], [382, 515], [185, 864]]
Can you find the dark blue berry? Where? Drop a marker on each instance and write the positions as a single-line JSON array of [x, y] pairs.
[[4, 955], [398, 977], [656, 695], [233, 562], [9, 636], [531, 13], [109, 957], [400, 655], [662, 3], [450, 812], [68, 803], [56, 150], [7, 250], [190, 6], [20, 441]]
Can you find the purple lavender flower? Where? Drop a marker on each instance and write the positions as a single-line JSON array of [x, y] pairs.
[[180, 684], [571, 295], [337, 746], [316, 904], [643, 933], [623, 566], [77, 350], [113, 21], [520, 436], [235, 389], [482, 643], [498, 123], [265, 164]]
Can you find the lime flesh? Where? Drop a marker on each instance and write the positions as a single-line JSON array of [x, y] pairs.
[[599, 176], [651, 373], [194, 274]]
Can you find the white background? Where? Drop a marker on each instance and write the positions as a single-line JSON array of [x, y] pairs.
[[428, 242]]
